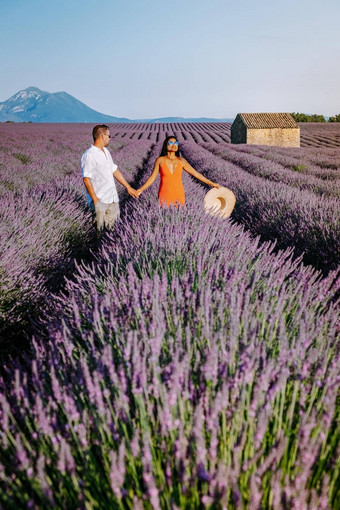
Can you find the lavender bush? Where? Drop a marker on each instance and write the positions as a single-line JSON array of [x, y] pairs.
[[322, 163], [188, 365], [313, 134], [281, 212], [294, 174]]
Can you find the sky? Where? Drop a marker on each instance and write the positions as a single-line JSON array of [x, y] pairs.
[[190, 58]]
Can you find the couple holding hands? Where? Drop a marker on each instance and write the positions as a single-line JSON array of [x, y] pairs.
[[99, 172]]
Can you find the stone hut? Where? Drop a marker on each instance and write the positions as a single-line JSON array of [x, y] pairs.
[[266, 129]]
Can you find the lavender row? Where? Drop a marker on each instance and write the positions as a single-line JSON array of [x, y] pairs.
[[187, 366], [276, 172], [325, 135], [311, 135], [320, 135], [327, 159], [289, 216], [30, 156], [319, 141], [321, 163]]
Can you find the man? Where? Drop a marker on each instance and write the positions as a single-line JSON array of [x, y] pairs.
[[98, 171]]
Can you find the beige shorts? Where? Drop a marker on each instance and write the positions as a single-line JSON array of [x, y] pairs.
[[106, 214]]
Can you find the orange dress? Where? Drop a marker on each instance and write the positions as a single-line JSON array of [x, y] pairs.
[[171, 190]]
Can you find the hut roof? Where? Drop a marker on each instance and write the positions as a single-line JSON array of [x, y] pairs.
[[268, 120]]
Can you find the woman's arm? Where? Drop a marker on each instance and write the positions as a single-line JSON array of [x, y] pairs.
[[188, 168], [152, 177]]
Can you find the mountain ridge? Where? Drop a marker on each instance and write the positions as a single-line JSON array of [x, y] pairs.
[[35, 105]]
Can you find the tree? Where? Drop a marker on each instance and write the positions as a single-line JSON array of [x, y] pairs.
[[316, 118], [303, 117], [336, 118], [300, 117]]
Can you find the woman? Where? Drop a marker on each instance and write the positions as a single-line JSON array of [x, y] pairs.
[[170, 166]]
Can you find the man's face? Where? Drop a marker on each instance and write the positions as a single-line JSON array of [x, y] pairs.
[[106, 137]]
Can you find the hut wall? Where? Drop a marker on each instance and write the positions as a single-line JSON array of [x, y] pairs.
[[273, 136], [238, 132]]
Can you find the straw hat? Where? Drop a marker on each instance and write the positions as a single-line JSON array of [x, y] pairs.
[[219, 202]]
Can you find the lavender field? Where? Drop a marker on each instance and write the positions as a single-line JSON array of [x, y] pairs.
[[181, 361]]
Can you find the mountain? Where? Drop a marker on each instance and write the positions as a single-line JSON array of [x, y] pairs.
[[35, 105]]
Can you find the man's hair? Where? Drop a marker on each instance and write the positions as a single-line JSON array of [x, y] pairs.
[[99, 130]]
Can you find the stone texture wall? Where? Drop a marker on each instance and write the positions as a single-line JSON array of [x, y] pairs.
[[273, 136]]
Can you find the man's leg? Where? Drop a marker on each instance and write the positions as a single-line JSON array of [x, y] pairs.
[[100, 210], [111, 215]]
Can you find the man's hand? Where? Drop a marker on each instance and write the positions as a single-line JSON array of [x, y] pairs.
[[133, 192], [91, 192]]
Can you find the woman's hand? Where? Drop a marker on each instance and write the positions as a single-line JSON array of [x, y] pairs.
[[215, 185], [139, 192], [132, 192]]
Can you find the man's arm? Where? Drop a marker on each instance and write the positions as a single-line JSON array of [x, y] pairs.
[[90, 190], [117, 175], [87, 167]]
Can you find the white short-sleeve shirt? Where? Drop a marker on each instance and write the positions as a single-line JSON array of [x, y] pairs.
[[98, 165]]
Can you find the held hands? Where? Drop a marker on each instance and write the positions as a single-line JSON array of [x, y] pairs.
[[137, 192], [133, 192]]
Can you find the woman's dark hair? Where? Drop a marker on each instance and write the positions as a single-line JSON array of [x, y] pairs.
[[165, 147]]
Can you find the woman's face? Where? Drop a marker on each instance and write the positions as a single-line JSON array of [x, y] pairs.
[[172, 145]]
